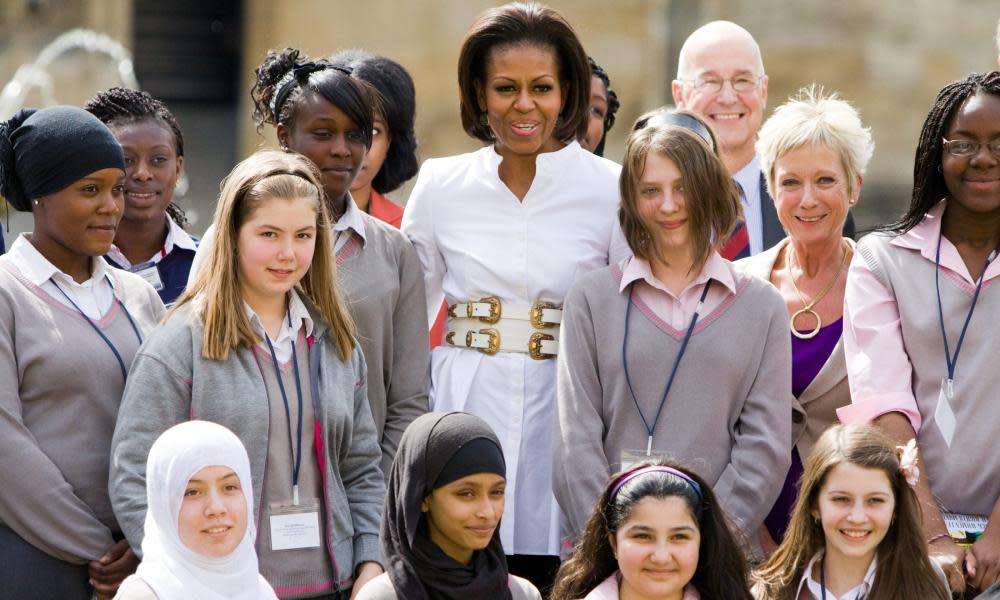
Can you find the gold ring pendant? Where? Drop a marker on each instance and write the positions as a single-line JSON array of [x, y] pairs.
[[808, 335]]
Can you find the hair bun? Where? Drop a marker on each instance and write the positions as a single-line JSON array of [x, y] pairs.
[[10, 184]]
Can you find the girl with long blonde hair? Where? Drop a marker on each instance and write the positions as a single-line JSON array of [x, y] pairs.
[[261, 343]]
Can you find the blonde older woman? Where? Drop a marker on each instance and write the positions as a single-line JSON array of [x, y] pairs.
[[814, 151]]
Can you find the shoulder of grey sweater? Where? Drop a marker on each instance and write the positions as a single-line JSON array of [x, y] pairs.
[[172, 341], [393, 241], [138, 294], [762, 294], [873, 249]]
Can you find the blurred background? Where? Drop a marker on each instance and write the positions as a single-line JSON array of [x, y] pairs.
[[888, 57]]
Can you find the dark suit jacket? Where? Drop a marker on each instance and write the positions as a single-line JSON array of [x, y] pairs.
[[773, 232]]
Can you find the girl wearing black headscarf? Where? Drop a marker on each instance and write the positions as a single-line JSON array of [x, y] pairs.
[[439, 534], [69, 328]]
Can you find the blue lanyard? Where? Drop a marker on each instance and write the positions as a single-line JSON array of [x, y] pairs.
[[296, 454], [950, 360], [673, 371], [114, 350]]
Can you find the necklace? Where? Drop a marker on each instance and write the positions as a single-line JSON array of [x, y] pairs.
[[807, 306]]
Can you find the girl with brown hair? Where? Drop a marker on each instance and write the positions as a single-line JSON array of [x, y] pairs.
[[855, 530], [644, 339], [658, 532]]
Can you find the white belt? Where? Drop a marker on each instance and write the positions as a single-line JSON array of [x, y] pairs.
[[491, 326]]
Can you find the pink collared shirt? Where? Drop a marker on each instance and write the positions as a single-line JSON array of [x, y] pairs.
[[674, 310], [878, 368]]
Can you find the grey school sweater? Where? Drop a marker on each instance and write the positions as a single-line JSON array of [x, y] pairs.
[[383, 284], [60, 387], [171, 382], [728, 415], [965, 478]]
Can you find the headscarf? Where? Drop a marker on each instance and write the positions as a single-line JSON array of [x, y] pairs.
[[44, 151], [418, 569], [174, 571]]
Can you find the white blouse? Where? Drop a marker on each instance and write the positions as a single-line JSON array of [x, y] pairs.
[[476, 239]]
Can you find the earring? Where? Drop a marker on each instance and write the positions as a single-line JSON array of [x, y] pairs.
[[36, 202], [483, 120]]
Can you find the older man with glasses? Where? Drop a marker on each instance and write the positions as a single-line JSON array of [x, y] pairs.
[[720, 76]]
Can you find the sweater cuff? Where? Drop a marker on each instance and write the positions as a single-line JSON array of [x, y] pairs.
[[366, 549]]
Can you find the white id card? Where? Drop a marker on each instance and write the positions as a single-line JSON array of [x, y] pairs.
[[295, 527], [944, 415], [151, 275]]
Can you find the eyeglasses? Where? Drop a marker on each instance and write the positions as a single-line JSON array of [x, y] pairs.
[[969, 148], [713, 85]]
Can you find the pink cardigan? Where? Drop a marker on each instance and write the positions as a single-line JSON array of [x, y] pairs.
[[608, 590]]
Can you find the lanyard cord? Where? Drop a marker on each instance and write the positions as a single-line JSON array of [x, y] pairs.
[[952, 361], [114, 350], [296, 455], [673, 371]]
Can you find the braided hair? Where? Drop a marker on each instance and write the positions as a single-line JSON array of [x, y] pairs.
[[613, 103], [119, 106], [286, 74], [928, 182]]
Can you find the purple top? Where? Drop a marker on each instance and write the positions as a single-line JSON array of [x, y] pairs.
[[808, 358]]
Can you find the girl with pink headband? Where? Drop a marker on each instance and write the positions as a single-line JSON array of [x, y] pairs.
[[657, 532]]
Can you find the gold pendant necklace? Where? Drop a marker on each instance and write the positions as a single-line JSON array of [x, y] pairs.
[[807, 307]]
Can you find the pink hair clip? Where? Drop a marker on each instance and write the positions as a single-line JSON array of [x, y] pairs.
[[908, 462]]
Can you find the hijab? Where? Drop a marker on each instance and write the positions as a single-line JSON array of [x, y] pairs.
[[417, 568], [170, 568]]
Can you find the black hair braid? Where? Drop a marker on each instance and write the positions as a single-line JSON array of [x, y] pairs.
[[928, 182], [276, 65], [11, 187], [122, 105]]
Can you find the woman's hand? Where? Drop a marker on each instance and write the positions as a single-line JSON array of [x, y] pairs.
[[107, 573], [982, 561], [366, 572], [951, 557]]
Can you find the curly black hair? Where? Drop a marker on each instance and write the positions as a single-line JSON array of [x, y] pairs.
[[395, 86], [120, 105], [356, 98]]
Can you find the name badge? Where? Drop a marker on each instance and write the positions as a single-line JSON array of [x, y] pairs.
[[295, 527], [151, 274], [944, 414]]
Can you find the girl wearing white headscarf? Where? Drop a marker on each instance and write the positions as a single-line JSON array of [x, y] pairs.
[[170, 569]]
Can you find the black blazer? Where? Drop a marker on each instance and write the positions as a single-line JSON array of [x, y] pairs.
[[773, 232]]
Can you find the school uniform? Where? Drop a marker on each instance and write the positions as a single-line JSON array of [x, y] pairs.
[[896, 359], [609, 589], [58, 403], [728, 412], [335, 451], [379, 276], [167, 270]]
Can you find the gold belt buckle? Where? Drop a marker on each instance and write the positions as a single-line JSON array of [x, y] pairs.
[[494, 315], [535, 345], [536, 314], [493, 345]]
